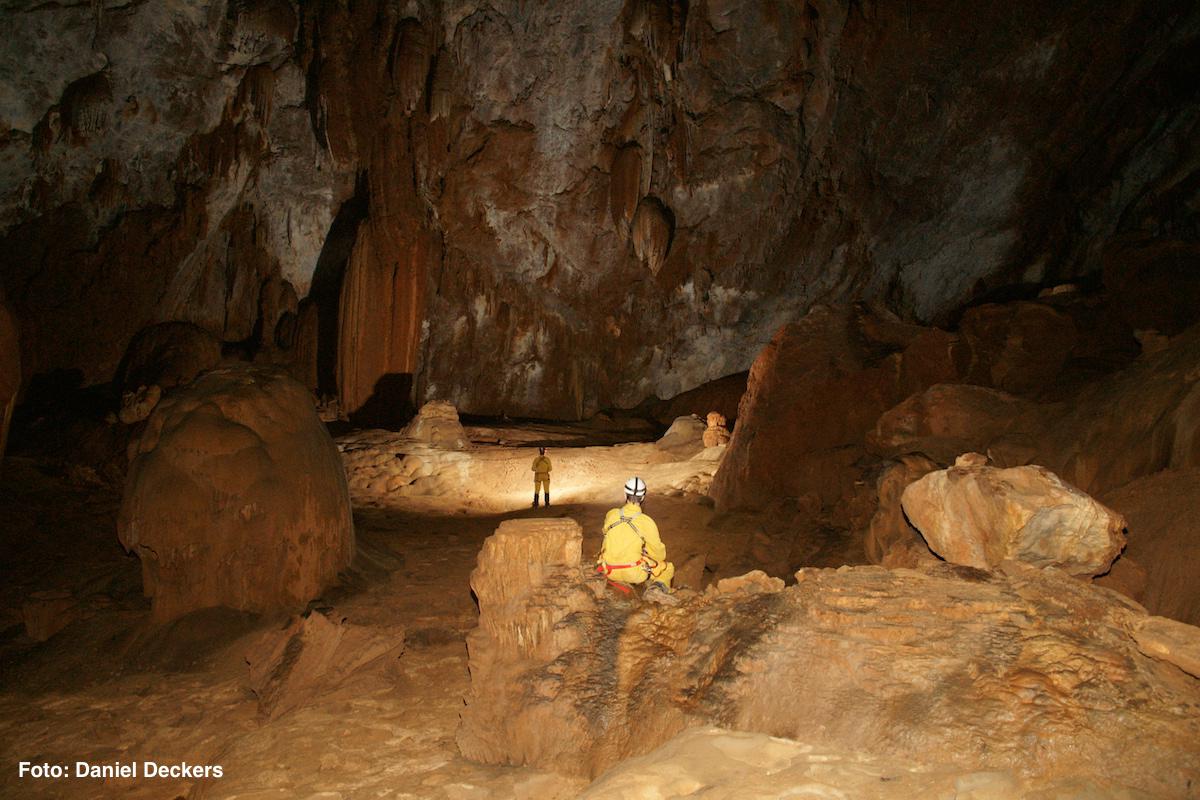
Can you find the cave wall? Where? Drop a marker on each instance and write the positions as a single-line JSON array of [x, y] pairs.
[[568, 206]]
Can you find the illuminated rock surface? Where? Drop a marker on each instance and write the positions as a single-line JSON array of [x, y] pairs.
[[894, 664], [663, 184], [980, 516], [236, 497], [734, 765]]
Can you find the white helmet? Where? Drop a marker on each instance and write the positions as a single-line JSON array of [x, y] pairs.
[[636, 488]]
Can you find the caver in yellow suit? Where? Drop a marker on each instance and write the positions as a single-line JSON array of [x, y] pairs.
[[632, 551], [541, 476]]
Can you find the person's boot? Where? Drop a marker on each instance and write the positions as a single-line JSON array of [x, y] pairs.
[[547, 499], [535, 504], [657, 592]]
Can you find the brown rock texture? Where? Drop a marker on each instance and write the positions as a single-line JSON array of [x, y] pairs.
[[437, 424], [1161, 513], [715, 432], [981, 516], [310, 655], [1021, 670], [1019, 348], [664, 184], [236, 497], [1141, 420], [891, 539], [10, 371], [167, 355], [948, 420], [735, 765], [813, 395]]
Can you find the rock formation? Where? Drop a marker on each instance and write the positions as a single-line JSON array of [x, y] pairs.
[[137, 405], [947, 420], [715, 432], [1160, 510], [167, 355], [236, 497], [312, 654], [483, 177], [10, 371], [1021, 670], [812, 396], [891, 539], [437, 424], [735, 765], [685, 437], [980, 516]]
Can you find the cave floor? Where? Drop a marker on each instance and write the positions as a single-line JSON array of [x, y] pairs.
[[110, 687]]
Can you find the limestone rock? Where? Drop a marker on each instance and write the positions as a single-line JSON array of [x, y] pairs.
[[893, 664], [753, 582], [947, 420], [812, 394], [685, 437], [10, 371], [1018, 348], [169, 354], [1160, 511], [653, 227], [980, 516], [891, 540], [715, 432], [236, 497], [310, 654], [137, 405], [437, 424], [1171, 641], [169, 182], [1134, 423], [735, 765]]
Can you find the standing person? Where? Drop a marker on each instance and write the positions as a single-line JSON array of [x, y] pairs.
[[632, 551], [541, 476]]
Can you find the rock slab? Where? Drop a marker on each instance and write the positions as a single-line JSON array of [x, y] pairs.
[[236, 497], [1022, 670]]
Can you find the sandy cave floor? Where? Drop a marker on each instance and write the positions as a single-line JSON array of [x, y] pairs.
[[109, 688]]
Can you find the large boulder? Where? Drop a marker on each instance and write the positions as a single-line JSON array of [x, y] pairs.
[[684, 438], [981, 516], [1022, 670], [812, 395], [10, 371], [236, 497]]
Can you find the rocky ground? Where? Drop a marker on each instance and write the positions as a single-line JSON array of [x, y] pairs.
[[110, 687], [363, 696]]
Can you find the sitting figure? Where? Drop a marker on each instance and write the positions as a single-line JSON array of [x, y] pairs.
[[632, 551], [716, 432]]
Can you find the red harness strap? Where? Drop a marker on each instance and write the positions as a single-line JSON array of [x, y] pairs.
[[607, 569]]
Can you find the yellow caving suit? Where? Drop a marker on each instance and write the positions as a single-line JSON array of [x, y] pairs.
[[632, 550], [541, 473]]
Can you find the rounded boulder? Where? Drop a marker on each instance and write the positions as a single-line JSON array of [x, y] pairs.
[[236, 497]]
